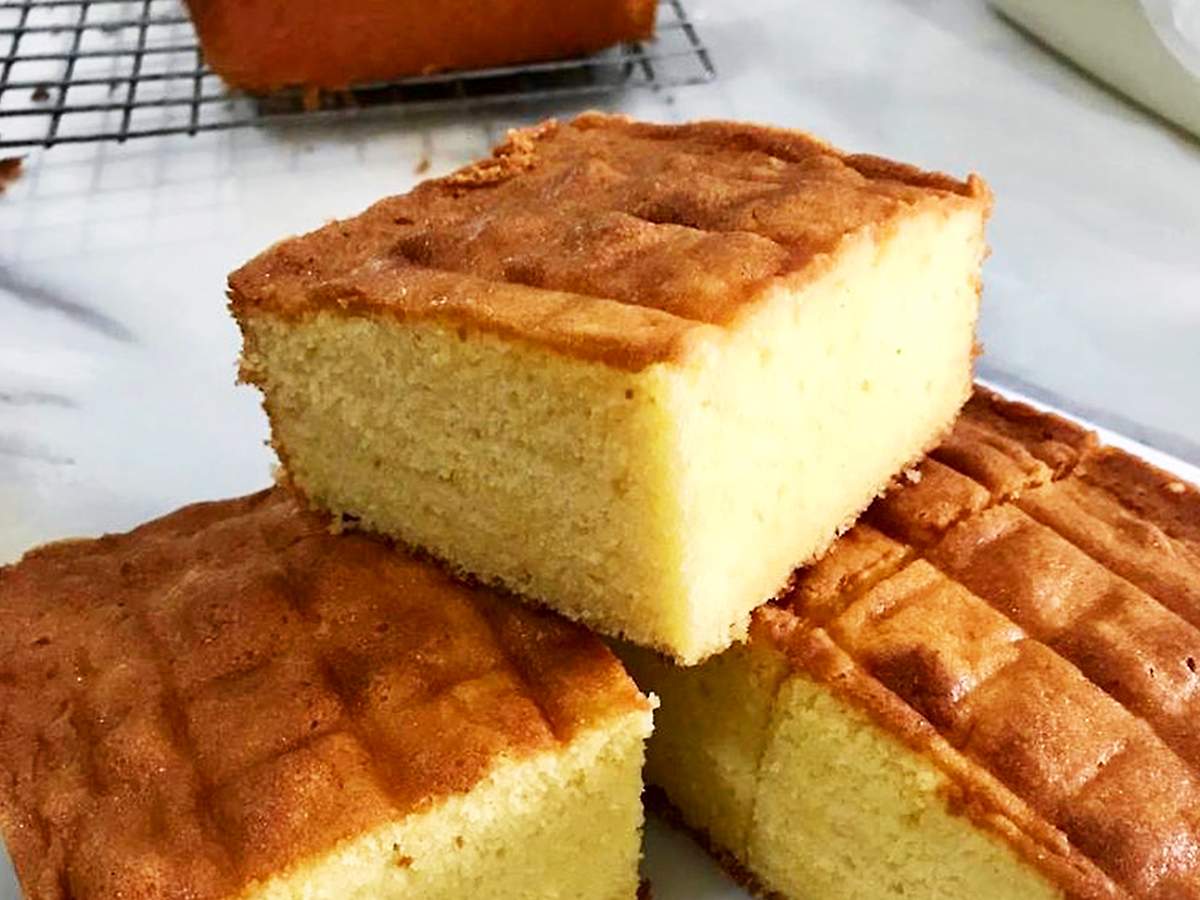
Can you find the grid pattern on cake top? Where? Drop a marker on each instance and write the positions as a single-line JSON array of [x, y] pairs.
[[88, 70], [1032, 595], [231, 689]]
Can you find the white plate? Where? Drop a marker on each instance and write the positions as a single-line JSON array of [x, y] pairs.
[[675, 865]]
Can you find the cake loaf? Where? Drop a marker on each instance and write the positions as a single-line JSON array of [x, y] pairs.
[[988, 688], [232, 702], [263, 45], [636, 372]]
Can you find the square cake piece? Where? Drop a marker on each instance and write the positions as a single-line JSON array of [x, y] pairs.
[[989, 687], [636, 372], [232, 702]]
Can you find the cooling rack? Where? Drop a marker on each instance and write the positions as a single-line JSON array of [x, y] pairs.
[[97, 70]]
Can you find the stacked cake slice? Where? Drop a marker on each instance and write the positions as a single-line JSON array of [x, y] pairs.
[[987, 688], [639, 375], [232, 702]]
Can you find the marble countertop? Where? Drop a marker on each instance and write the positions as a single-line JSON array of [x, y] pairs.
[[117, 395]]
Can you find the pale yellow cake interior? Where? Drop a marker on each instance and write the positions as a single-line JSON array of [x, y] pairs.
[[844, 809], [565, 824], [710, 732], [808, 793], [661, 505]]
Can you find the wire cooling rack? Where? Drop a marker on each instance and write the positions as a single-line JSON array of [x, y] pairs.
[[95, 70]]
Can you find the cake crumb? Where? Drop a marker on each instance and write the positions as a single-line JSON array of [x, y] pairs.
[[517, 154], [10, 171], [41, 93], [913, 475], [422, 166]]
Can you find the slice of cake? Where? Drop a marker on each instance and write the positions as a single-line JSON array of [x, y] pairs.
[[635, 372], [232, 702], [269, 44], [989, 688]]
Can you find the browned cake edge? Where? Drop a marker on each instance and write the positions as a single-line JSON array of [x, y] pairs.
[[789, 144], [299, 277], [1156, 495]]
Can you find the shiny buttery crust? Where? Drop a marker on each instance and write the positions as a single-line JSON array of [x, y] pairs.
[[262, 45], [225, 692], [1024, 609], [603, 238]]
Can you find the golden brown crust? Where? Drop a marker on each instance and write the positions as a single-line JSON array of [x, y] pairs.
[[1023, 612], [263, 46], [230, 689], [603, 238], [1157, 496]]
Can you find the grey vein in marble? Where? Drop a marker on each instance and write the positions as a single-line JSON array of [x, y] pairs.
[[14, 446], [36, 398], [39, 296]]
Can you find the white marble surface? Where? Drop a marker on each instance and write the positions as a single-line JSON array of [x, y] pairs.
[[117, 399]]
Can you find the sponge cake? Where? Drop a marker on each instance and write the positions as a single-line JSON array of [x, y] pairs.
[[231, 702], [623, 369], [988, 688]]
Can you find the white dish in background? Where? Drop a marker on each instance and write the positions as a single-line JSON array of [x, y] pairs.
[[677, 867], [1148, 50]]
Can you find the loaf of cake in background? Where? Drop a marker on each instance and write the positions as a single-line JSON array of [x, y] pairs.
[[264, 45], [232, 702], [635, 372], [990, 687]]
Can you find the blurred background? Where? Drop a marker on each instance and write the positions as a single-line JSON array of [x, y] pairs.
[[117, 356]]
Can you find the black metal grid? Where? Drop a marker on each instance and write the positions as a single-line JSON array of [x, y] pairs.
[[95, 70]]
